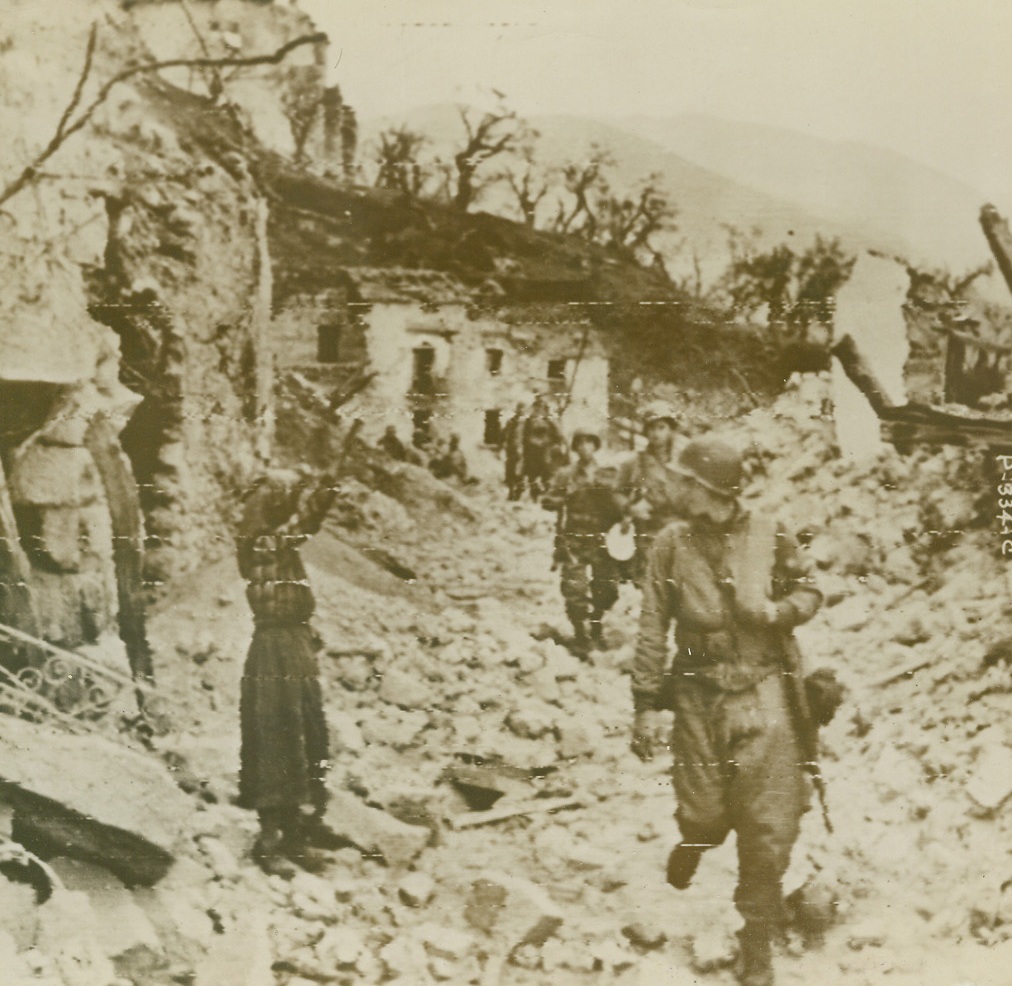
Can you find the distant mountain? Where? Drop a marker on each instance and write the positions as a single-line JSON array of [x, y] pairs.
[[791, 185], [930, 215]]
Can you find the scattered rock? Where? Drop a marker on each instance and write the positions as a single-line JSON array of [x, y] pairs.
[[484, 784], [713, 948], [69, 936], [18, 915], [991, 781], [610, 954], [645, 936], [398, 728], [344, 732], [373, 830], [416, 889], [405, 958], [446, 943], [71, 802], [242, 954], [340, 948], [221, 858], [578, 738], [513, 910], [404, 689], [532, 719]]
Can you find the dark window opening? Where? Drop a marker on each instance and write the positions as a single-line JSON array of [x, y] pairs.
[[248, 376], [423, 380], [422, 424], [493, 360], [557, 374], [328, 343], [25, 406], [493, 428]]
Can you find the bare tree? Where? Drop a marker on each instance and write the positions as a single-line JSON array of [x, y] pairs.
[[397, 157], [496, 132], [943, 283], [528, 182], [301, 102], [629, 221], [585, 182], [798, 289], [74, 118]]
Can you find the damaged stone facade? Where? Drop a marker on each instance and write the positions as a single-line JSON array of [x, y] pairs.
[[446, 358], [289, 107], [136, 372]]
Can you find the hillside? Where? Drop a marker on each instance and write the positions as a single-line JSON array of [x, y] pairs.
[[926, 214], [706, 200]]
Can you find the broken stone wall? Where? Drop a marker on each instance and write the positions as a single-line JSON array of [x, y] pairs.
[[288, 106], [58, 366], [381, 338], [135, 304], [869, 309], [186, 285]]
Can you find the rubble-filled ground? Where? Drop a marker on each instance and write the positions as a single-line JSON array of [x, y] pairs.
[[509, 834]]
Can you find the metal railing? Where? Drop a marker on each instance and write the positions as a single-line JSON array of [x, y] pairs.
[[64, 687]]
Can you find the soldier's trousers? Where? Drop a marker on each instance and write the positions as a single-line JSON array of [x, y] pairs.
[[589, 581], [737, 767]]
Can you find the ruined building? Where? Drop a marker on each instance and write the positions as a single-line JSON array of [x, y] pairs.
[[444, 357], [135, 300], [289, 107]]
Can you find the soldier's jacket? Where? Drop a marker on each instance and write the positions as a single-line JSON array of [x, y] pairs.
[[540, 431], [586, 497], [645, 476], [693, 576]]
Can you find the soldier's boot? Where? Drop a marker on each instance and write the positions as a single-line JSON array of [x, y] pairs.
[[683, 863], [597, 635], [755, 956], [580, 645]]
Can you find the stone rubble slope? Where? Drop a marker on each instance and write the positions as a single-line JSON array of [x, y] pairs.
[[912, 888]]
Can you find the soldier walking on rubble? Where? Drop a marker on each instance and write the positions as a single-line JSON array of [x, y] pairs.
[[512, 444], [542, 442], [283, 756], [735, 586], [649, 487], [587, 508]]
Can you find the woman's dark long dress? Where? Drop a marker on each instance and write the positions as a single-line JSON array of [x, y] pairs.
[[284, 733]]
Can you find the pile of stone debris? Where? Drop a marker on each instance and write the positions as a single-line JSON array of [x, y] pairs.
[[499, 829]]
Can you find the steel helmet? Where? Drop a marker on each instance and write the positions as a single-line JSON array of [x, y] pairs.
[[658, 411], [714, 464], [585, 435]]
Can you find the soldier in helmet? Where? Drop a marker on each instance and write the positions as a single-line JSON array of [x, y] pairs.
[[583, 496], [649, 487], [735, 585], [542, 440]]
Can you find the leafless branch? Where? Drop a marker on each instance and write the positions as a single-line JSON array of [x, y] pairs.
[[67, 127], [215, 86], [89, 53]]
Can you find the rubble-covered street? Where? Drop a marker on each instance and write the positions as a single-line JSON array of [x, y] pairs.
[[244, 331], [509, 834]]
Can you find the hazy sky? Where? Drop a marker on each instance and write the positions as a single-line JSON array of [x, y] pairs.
[[930, 78]]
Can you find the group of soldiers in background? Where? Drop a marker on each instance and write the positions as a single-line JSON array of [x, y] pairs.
[[607, 518], [445, 458], [534, 447], [732, 584]]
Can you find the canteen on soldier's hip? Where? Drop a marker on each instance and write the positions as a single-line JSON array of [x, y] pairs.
[[620, 544]]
